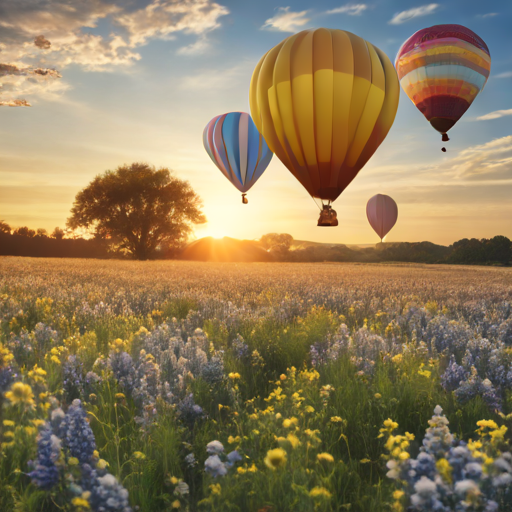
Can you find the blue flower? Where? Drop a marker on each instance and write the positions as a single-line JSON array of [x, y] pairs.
[[77, 433], [214, 466], [46, 473]]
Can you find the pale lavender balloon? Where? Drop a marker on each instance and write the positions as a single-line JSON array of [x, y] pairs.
[[382, 213]]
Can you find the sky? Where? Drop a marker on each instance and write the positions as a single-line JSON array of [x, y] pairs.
[[122, 81]]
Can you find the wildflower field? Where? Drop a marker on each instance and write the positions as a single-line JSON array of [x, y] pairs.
[[161, 386]]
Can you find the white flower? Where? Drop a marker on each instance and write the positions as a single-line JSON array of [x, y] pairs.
[[425, 487], [466, 486], [214, 447]]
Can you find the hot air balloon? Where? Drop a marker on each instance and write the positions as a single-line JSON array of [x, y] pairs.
[[324, 100], [442, 69], [382, 213], [237, 149]]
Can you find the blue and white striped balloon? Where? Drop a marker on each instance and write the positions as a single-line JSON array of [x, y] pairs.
[[237, 148]]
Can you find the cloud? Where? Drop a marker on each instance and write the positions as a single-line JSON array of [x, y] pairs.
[[507, 74], [350, 9], [214, 79], [202, 45], [488, 15], [286, 21], [14, 103], [402, 17], [42, 42], [67, 24], [495, 115], [162, 18], [490, 161]]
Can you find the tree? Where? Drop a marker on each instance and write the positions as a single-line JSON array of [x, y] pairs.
[[272, 239], [58, 233], [41, 232], [24, 231], [138, 209], [4, 227], [498, 250]]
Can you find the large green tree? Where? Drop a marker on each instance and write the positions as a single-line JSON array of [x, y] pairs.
[[138, 209]]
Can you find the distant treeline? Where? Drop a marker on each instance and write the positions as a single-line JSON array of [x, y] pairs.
[[271, 247], [46, 247], [494, 251]]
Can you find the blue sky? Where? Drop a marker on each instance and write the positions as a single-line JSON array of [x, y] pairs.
[[140, 80]]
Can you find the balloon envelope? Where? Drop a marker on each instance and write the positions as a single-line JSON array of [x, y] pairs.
[[237, 148], [382, 213], [324, 100], [442, 69]]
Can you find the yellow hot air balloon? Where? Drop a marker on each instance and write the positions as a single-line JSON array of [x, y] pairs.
[[324, 100]]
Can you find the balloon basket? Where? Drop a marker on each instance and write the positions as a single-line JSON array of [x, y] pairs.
[[244, 199], [328, 217]]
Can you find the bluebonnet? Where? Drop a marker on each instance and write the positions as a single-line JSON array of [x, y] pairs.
[[232, 458], [214, 466], [122, 366], [107, 494], [453, 375], [240, 348], [213, 371], [45, 473], [189, 412], [78, 436], [474, 386], [73, 378]]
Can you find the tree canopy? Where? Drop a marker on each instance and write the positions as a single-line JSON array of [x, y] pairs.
[[138, 209]]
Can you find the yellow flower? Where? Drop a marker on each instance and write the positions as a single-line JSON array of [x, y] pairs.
[[176, 504], [404, 456], [289, 422], [397, 359], [256, 432], [275, 458], [73, 461], [102, 464], [445, 470], [234, 376], [293, 440], [55, 359], [174, 480], [309, 409], [377, 395], [139, 455], [282, 376], [120, 396], [253, 468], [278, 415], [398, 494], [215, 488], [80, 502], [336, 419], [232, 440], [241, 470], [319, 492], [8, 423], [325, 457], [20, 394], [253, 416]]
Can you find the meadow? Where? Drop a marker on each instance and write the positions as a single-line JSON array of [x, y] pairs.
[[270, 387]]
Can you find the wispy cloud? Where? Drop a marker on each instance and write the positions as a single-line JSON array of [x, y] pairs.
[[490, 161], [286, 20], [210, 79], [495, 115], [66, 40], [350, 9], [507, 74], [402, 17], [488, 15]]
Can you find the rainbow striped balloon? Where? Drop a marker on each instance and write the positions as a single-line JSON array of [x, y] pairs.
[[442, 69], [237, 148]]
